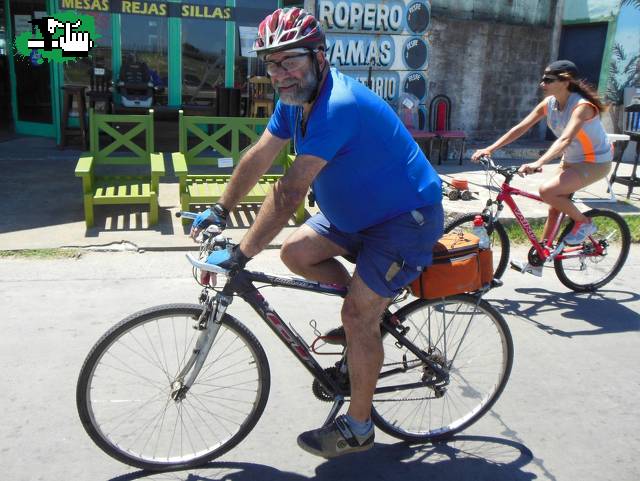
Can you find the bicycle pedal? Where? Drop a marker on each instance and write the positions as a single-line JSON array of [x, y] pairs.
[[518, 268], [526, 268]]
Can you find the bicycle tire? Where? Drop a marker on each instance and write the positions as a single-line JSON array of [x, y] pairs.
[[132, 411], [497, 234], [612, 228], [480, 367]]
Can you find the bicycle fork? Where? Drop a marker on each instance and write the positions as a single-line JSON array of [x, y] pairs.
[[208, 324]]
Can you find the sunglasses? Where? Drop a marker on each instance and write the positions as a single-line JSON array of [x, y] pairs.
[[289, 64], [549, 80]]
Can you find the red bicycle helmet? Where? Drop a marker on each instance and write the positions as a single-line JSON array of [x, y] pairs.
[[286, 29]]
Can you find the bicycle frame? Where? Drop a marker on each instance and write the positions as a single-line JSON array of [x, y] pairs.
[[545, 249], [242, 284]]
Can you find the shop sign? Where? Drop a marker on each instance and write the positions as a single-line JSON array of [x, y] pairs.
[[389, 52], [158, 9], [392, 17], [383, 44], [385, 84]]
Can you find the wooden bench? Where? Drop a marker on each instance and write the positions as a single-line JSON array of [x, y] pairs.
[[121, 172], [218, 143]]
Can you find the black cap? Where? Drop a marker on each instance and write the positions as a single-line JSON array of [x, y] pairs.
[[562, 66]]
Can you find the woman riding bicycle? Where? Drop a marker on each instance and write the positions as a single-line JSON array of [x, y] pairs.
[[572, 108]]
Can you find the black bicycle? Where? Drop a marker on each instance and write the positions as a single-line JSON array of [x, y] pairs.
[[177, 385]]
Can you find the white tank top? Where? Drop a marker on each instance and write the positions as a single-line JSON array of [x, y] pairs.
[[591, 143]]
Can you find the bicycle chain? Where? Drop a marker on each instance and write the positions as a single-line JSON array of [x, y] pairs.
[[402, 399], [322, 395]]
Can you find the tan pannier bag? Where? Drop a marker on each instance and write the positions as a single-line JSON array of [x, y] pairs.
[[458, 266]]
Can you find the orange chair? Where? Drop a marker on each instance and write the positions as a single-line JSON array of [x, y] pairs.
[[260, 96]]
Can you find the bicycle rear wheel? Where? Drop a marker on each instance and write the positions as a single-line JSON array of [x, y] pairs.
[[471, 341], [497, 235], [124, 389], [583, 270]]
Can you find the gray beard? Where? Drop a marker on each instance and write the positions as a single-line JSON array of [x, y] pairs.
[[301, 94]]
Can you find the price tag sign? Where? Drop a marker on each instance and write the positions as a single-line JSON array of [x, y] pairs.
[[225, 162]]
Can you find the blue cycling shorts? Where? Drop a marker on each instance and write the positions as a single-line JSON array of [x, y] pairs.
[[389, 255]]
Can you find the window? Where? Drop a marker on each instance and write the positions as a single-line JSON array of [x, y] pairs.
[[203, 60], [246, 64], [78, 72], [144, 39], [33, 80]]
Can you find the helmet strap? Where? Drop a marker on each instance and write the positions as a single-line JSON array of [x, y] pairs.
[[318, 71]]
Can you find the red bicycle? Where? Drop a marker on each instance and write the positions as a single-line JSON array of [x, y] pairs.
[[582, 268]]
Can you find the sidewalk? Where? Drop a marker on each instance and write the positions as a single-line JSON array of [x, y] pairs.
[[42, 201]]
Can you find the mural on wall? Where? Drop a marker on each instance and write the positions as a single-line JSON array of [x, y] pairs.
[[624, 70], [383, 44]]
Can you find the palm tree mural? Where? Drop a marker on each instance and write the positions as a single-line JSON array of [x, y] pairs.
[[624, 71], [633, 3]]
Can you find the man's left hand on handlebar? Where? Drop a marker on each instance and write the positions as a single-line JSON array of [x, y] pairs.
[[216, 215], [233, 259]]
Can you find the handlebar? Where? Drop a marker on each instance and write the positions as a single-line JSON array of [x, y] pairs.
[[507, 172], [210, 239], [206, 267], [186, 215]]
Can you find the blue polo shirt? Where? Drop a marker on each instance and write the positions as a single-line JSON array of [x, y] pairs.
[[375, 170]]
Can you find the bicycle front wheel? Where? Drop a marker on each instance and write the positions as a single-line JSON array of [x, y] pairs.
[[582, 268], [497, 235], [470, 341], [124, 389]]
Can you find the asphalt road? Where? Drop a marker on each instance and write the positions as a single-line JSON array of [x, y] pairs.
[[569, 412]]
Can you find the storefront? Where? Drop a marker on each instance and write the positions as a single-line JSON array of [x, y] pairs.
[[191, 47]]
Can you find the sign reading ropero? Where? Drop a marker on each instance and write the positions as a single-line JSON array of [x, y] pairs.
[[391, 17]]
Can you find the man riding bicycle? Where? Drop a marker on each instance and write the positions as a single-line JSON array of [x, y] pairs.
[[379, 197]]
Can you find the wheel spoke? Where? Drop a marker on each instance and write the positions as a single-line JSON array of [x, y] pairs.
[[124, 392], [470, 341], [584, 269]]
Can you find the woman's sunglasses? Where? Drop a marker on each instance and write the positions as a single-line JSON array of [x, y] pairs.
[[549, 80]]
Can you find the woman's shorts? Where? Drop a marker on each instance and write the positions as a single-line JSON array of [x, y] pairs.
[[588, 171], [389, 255]]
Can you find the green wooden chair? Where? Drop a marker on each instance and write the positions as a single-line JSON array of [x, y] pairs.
[[118, 185], [218, 143]]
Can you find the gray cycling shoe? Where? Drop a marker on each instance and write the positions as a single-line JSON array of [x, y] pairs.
[[335, 439]]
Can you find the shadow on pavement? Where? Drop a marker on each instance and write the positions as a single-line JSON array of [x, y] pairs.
[[463, 457], [39, 192], [45, 192], [605, 310]]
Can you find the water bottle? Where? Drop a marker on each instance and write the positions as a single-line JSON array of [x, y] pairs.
[[481, 233]]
